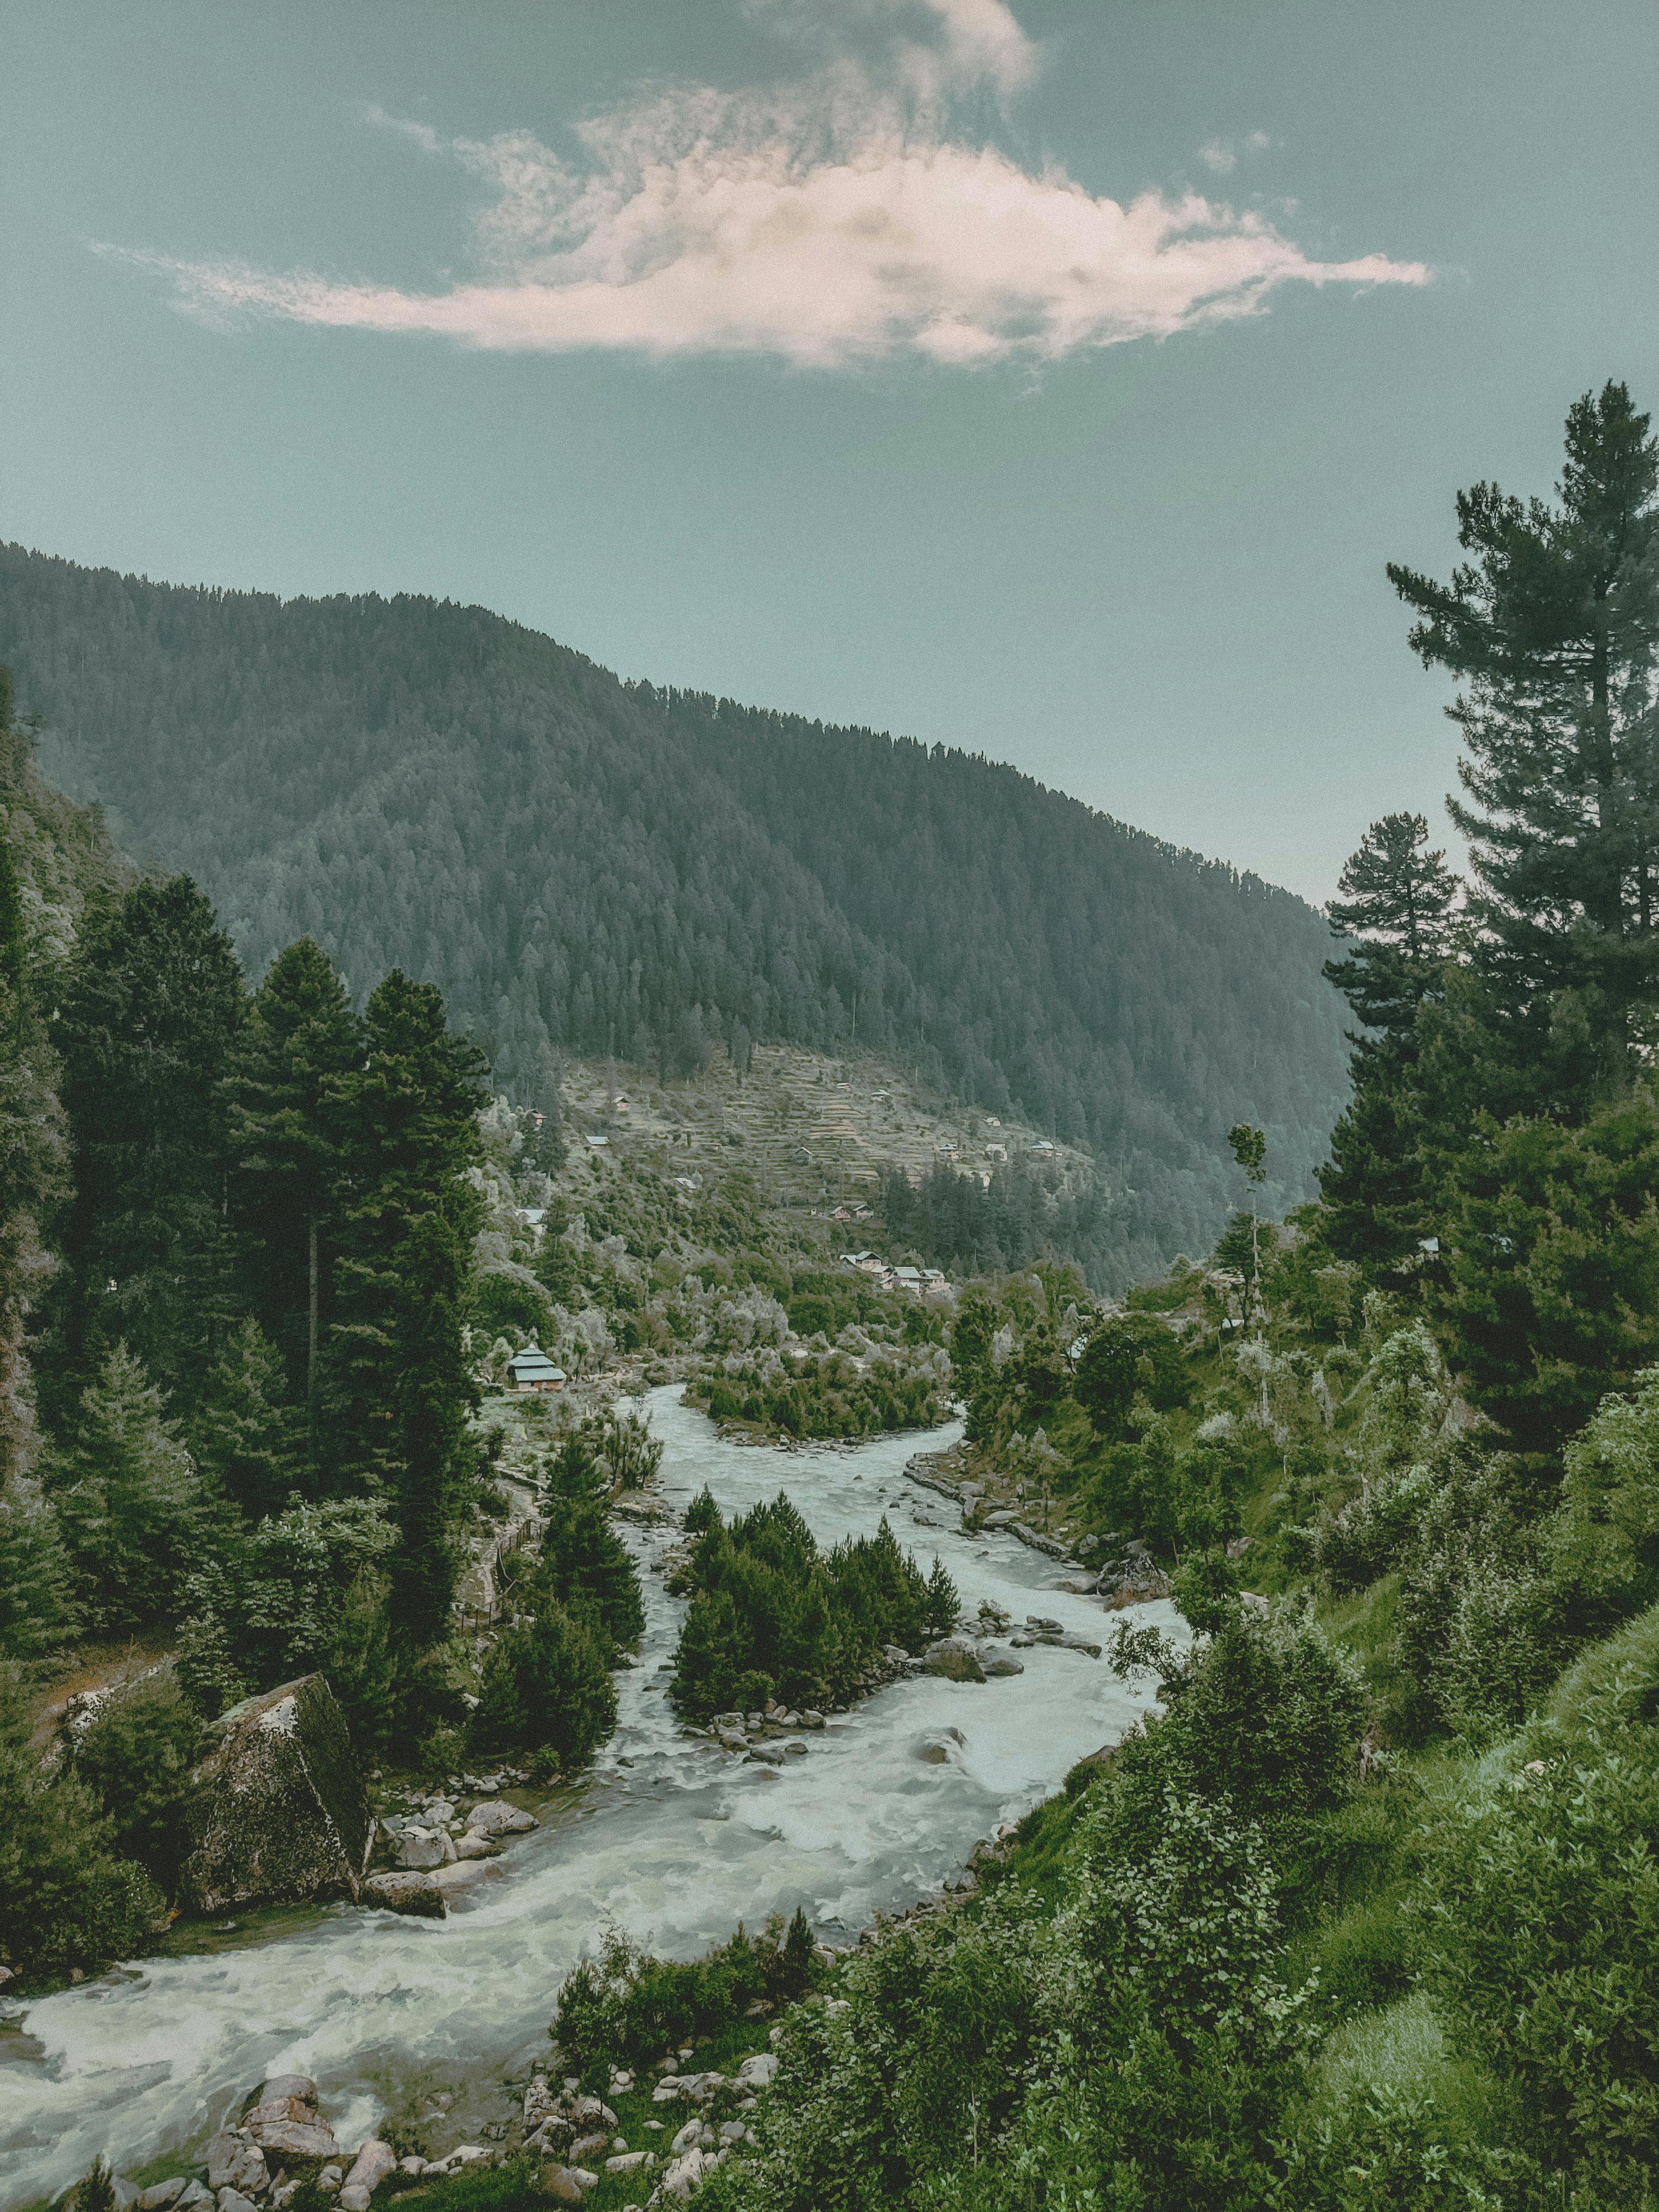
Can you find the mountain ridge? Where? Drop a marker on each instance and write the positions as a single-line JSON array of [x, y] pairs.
[[591, 865]]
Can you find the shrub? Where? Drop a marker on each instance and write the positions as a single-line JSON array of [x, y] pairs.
[[626, 2007], [135, 1755], [66, 1899], [1132, 1356]]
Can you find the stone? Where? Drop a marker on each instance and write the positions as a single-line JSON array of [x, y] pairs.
[[163, 2193], [196, 2193], [684, 2177], [560, 2184], [279, 1811], [796, 1750], [593, 2109], [125, 2194], [417, 1894], [499, 1818], [424, 1847], [372, 2165], [629, 2162], [355, 2199], [665, 2091], [998, 1669], [769, 1755], [472, 1845], [233, 2163], [733, 2131], [294, 2142], [589, 2146], [329, 2178], [955, 1658], [758, 2072], [232, 2200]]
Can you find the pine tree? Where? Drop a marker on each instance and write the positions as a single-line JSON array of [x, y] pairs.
[[1553, 626], [135, 1514], [247, 1440], [943, 1600], [148, 1026], [1396, 904], [301, 1044], [402, 1386]]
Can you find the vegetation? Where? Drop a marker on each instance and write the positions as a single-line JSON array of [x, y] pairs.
[[670, 874], [772, 1616], [625, 2008], [826, 1394]]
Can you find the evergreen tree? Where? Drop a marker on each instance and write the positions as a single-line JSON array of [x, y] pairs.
[[546, 1689], [584, 1563], [943, 1600], [247, 1440], [1553, 626], [148, 1026], [1396, 904], [135, 1515], [38, 1613], [301, 1044], [402, 1386]]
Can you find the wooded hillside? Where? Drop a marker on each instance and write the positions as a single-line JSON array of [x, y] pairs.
[[588, 866]]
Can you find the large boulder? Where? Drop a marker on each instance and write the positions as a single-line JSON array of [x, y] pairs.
[[955, 1657], [280, 1812], [414, 1893], [283, 2122]]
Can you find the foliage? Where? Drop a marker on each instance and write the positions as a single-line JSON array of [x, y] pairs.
[[829, 1394], [670, 874], [66, 1899], [546, 1689], [584, 1563], [246, 1437], [134, 1755], [135, 1513], [625, 2007], [773, 1616], [1129, 1357]]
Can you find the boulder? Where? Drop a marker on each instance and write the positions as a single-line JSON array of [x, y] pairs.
[[1000, 1667], [164, 2193], [417, 1894], [371, 2166], [283, 2122], [629, 2162], [561, 2185], [472, 1845], [684, 2177], [589, 2146], [499, 1818], [758, 2072], [279, 1812], [232, 2200], [235, 2163], [424, 1847], [955, 1658]]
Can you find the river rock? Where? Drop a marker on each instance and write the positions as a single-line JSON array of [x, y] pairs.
[[561, 2185], [235, 2163], [417, 1894], [955, 1658], [279, 1811], [1001, 1666], [424, 1847], [499, 1819], [232, 2200], [163, 2194], [371, 2166], [461, 1874]]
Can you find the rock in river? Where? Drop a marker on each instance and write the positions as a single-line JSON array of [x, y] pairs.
[[279, 1811], [955, 1658], [417, 1894]]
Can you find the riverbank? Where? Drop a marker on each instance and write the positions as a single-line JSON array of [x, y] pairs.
[[668, 1837]]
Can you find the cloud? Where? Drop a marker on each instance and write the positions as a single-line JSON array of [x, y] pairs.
[[843, 219]]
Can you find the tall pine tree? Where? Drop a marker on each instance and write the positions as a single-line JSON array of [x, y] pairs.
[[401, 1387], [301, 1044]]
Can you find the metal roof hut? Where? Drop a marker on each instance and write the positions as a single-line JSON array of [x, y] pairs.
[[531, 1369]]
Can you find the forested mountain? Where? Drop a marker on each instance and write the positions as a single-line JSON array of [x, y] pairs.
[[590, 865]]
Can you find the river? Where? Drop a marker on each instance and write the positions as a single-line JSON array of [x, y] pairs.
[[667, 1837]]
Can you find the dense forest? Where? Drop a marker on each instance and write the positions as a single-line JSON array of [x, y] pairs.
[[590, 867]]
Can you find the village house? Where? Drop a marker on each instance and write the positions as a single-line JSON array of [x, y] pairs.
[[531, 1369]]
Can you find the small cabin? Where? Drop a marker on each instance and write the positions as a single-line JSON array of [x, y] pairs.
[[531, 1369]]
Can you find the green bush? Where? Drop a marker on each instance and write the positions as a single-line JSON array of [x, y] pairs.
[[546, 1688], [135, 1755], [1133, 1356], [626, 2007], [66, 1897]]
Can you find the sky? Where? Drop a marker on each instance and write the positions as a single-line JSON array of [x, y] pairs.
[[1051, 378]]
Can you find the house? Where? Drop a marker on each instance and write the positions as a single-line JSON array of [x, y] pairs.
[[531, 1369], [1043, 1144], [598, 1141], [619, 1104]]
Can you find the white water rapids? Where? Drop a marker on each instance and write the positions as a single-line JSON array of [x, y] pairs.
[[669, 1839]]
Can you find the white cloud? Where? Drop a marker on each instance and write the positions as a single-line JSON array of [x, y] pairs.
[[842, 219], [1218, 157]]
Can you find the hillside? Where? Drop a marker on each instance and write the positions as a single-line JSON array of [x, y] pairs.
[[591, 866]]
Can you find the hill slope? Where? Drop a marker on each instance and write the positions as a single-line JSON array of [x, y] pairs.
[[594, 866]]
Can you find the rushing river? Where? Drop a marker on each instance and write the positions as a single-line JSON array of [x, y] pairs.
[[669, 1839]]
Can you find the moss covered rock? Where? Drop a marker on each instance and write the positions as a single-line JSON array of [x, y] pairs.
[[280, 1812]]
